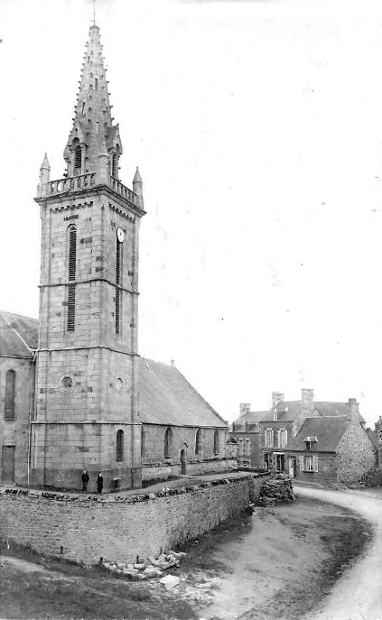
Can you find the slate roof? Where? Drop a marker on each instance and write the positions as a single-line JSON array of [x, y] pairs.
[[18, 335], [166, 397], [335, 409], [290, 409], [328, 430]]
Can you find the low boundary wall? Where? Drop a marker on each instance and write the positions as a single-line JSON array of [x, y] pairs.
[[85, 528]]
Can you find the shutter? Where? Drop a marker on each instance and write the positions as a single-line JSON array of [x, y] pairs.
[[315, 463], [301, 463]]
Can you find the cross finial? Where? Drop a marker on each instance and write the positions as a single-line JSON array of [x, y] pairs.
[[94, 11]]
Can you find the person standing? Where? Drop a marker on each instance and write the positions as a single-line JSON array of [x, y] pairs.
[[85, 480], [99, 483]]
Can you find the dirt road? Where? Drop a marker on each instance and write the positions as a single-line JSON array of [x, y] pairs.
[[358, 594]]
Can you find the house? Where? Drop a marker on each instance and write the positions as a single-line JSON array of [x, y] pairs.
[[277, 431], [78, 395], [331, 449]]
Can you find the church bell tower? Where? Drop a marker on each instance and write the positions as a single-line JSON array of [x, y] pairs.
[[86, 410]]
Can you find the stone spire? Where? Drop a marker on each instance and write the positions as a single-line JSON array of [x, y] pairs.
[[137, 187], [94, 143], [44, 176]]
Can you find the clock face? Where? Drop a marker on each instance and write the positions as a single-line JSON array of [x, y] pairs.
[[120, 234]]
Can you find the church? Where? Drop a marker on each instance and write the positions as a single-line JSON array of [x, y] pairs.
[[74, 391]]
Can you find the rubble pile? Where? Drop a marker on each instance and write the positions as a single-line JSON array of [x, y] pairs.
[[278, 489], [143, 569]]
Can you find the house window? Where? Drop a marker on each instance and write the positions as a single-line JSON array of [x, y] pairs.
[[167, 443], [119, 449], [96, 83], [9, 402], [247, 447], [241, 447], [216, 442], [198, 442], [72, 261], [282, 438], [309, 463], [269, 437]]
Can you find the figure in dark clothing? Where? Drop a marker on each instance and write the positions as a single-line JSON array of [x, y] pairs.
[[85, 480], [99, 483]]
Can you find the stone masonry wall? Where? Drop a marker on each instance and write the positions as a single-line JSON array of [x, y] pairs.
[[355, 454], [88, 528], [162, 471], [15, 432]]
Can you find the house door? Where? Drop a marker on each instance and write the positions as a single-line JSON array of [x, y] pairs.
[[183, 462], [292, 467], [8, 464]]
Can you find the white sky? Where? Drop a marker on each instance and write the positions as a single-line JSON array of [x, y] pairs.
[[257, 128]]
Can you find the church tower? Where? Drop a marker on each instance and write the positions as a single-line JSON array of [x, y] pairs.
[[86, 411]]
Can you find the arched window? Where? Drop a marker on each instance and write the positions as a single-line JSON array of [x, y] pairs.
[[72, 261], [143, 442], [167, 443], [216, 442], [198, 441], [9, 402], [119, 448]]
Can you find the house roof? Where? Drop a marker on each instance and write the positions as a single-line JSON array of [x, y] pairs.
[[166, 397], [288, 410], [328, 430], [335, 409], [18, 335]]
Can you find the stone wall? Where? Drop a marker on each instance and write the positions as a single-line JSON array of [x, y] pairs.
[[90, 527], [327, 467], [15, 432], [356, 454], [161, 471]]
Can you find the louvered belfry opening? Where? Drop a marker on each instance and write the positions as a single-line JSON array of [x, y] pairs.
[[118, 297], [77, 157], [72, 276]]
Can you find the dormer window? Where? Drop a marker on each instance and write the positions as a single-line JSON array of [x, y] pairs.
[[310, 442]]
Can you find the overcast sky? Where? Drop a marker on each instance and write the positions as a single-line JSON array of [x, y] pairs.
[[257, 128]]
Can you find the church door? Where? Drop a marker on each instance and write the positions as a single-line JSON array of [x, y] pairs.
[[183, 462], [8, 464]]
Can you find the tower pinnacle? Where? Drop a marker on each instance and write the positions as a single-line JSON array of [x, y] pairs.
[[93, 132]]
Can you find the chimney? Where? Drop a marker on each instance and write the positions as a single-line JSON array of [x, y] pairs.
[[277, 397], [307, 398], [353, 415], [244, 408]]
